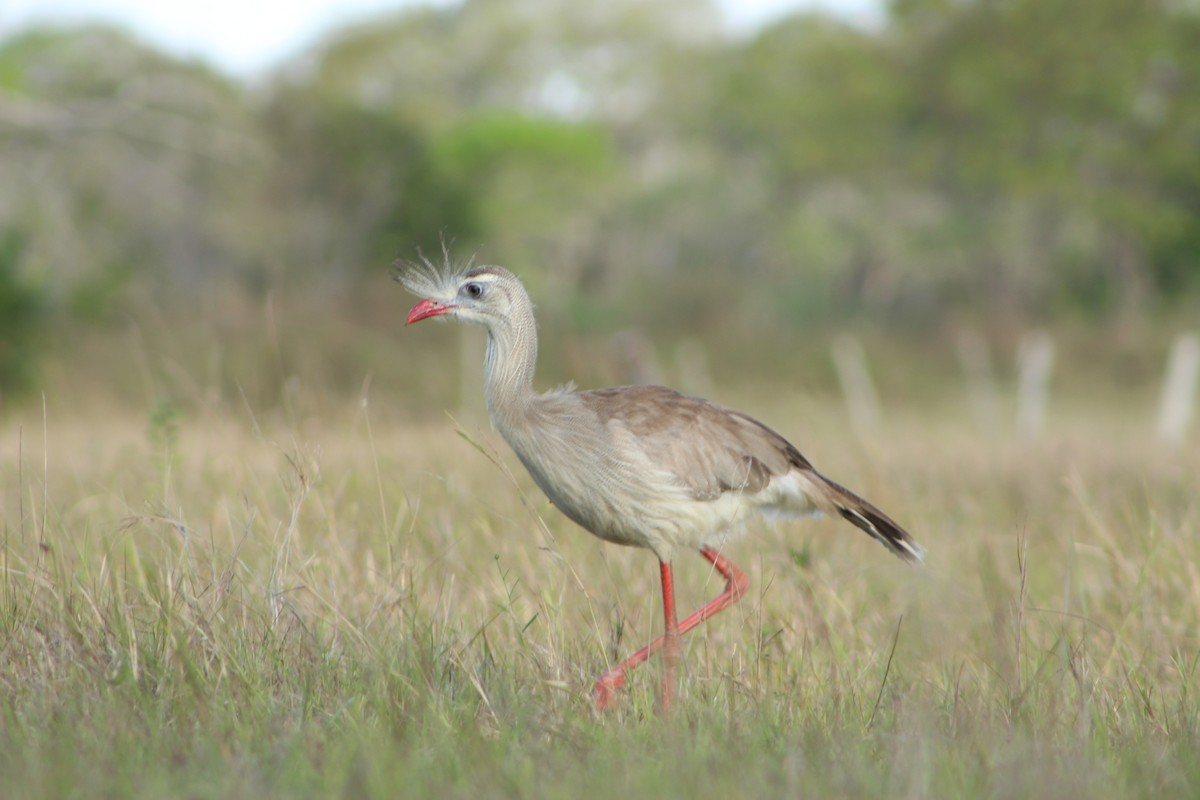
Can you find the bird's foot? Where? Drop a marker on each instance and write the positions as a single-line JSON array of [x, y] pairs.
[[606, 689]]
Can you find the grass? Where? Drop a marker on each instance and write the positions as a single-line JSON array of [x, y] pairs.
[[334, 600]]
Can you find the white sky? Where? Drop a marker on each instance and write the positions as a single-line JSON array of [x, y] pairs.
[[247, 36]]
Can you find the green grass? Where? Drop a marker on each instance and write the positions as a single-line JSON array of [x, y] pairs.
[[334, 601]]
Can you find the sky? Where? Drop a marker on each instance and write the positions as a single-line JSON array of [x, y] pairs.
[[245, 37]]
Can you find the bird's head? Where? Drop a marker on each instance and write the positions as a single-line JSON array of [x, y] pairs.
[[485, 295]]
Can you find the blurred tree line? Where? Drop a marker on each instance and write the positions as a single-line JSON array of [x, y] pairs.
[[1008, 157]]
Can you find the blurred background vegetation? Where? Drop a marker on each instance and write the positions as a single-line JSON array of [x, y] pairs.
[[996, 163]]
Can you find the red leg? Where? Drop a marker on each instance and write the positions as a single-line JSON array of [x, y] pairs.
[[736, 584], [670, 634]]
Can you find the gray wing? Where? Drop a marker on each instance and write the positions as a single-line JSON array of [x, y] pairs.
[[710, 449]]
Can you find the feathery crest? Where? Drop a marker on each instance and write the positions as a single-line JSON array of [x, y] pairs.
[[425, 278]]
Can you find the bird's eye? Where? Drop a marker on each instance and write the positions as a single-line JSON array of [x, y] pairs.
[[474, 290]]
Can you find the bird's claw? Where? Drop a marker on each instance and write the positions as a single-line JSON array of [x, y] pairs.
[[605, 690]]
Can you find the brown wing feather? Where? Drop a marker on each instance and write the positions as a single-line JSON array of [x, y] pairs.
[[711, 449]]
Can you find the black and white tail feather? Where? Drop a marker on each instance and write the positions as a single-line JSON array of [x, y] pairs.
[[878, 525]]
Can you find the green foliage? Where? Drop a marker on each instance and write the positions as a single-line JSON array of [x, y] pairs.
[[119, 159], [1005, 158], [488, 142], [1074, 109], [96, 297], [533, 178], [22, 315], [819, 96], [371, 174]]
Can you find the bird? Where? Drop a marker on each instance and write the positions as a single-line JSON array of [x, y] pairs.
[[640, 465]]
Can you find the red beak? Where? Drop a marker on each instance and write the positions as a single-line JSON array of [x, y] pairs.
[[426, 309]]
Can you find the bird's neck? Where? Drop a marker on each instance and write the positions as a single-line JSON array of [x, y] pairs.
[[508, 371]]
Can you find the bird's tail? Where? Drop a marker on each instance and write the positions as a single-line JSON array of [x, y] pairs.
[[877, 524]]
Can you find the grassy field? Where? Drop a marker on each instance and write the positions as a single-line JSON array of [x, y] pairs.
[[334, 599]]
